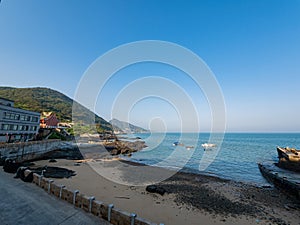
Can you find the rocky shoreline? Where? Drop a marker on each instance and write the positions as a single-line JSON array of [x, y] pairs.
[[229, 198], [73, 152], [124, 147]]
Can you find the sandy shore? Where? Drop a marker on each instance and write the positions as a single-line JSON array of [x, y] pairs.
[[190, 199]]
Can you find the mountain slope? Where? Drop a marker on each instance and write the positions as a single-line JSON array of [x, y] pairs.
[[124, 127], [48, 100]]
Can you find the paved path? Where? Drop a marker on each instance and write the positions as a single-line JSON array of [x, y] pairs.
[[24, 203]]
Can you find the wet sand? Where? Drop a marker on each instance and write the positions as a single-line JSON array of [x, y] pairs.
[[189, 198]]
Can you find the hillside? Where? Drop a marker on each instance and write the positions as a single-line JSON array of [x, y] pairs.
[[48, 100], [124, 127]]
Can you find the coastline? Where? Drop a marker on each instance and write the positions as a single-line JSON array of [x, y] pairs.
[[189, 198]]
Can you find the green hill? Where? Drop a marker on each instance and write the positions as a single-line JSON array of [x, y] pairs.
[[48, 100]]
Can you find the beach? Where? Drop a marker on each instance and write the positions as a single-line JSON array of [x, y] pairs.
[[189, 198]]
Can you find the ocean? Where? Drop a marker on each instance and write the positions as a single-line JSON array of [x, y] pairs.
[[236, 159]]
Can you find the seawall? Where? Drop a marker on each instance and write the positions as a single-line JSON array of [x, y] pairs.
[[27, 151], [287, 181]]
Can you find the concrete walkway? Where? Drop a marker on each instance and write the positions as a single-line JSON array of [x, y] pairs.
[[25, 203]]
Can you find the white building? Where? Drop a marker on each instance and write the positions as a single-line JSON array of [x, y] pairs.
[[17, 124]]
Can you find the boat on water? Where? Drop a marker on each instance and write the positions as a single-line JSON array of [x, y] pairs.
[[208, 145], [189, 147], [177, 143], [289, 158]]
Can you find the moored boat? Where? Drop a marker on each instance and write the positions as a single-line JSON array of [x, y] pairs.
[[208, 145], [177, 143], [289, 158], [189, 147], [284, 174]]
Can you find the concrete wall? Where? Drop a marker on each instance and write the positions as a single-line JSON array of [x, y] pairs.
[[98, 208], [24, 151]]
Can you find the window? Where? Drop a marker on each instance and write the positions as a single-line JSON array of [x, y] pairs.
[[28, 118], [35, 119], [6, 115], [17, 116], [33, 128], [4, 127], [12, 116], [22, 117], [15, 127], [21, 127]]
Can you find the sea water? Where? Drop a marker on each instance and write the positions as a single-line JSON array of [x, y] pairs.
[[236, 159]]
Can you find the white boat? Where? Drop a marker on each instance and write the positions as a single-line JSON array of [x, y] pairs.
[[208, 145]]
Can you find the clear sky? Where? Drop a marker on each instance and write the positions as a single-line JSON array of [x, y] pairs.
[[252, 47]]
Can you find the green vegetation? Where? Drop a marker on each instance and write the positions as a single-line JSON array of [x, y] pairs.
[[56, 135], [48, 100], [70, 131]]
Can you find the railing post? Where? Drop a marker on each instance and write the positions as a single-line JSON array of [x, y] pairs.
[[43, 171], [110, 206], [40, 179], [49, 185], [91, 199], [60, 191], [74, 196], [132, 215]]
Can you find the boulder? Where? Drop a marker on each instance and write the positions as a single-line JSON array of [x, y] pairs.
[[24, 174], [10, 166], [20, 172], [28, 177], [52, 161], [124, 147], [156, 189]]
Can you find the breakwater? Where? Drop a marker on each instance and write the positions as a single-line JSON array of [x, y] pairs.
[[287, 181], [27, 151]]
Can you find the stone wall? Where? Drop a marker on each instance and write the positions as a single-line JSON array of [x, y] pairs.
[[89, 204], [26, 151]]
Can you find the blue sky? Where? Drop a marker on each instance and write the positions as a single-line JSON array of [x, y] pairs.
[[252, 47]]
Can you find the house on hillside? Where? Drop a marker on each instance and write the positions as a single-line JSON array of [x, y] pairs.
[[48, 120], [17, 124]]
